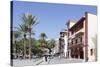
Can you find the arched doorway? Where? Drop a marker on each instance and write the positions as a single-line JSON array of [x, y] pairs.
[[76, 53], [72, 53], [81, 53]]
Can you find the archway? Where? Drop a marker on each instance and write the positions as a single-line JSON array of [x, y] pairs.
[[81, 53]]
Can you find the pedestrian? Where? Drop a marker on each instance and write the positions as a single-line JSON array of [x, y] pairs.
[[46, 58]]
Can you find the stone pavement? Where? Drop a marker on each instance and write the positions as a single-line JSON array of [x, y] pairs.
[[39, 61], [58, 60], [27, 62]]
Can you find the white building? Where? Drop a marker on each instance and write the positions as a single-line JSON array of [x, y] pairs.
[[82, 38], [63, 42], [66, 44], [92, 36]]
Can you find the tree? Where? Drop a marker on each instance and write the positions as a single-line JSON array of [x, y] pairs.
[[50, 45], [23, 29], [19, 47], [43, 39], [30, 21], [36, 48], [43, 36], [16, 35]]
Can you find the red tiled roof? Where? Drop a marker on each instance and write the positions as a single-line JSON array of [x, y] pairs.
[[80, 20]]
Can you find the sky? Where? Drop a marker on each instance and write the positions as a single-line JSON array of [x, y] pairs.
[[51, 17]]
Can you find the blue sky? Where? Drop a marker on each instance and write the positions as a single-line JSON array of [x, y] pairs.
[[51, 17]]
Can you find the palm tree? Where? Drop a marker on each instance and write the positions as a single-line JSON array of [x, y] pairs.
[[42, 38], [50, 45], [23, 29], [16, 35], [30, 21]]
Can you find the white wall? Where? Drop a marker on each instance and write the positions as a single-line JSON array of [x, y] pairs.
[[92, 31], [56, 48], [71, 23], [65, 46]]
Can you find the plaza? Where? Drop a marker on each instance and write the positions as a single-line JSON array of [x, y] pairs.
[[55, 60]]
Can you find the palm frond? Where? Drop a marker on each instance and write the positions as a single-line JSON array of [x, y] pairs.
[[24, 18]]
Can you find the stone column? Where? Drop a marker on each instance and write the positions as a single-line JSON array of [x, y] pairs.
[[84, 53], [78, 53], [69, 53]]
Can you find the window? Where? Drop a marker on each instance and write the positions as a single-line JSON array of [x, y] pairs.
[[68, 44], [72, 41], [72, 32], [91, 51], [81, 39], [76, 41]]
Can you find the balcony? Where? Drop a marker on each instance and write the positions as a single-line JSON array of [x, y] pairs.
[[76, 33], [78, 42]]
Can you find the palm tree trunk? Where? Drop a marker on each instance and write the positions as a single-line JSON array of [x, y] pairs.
[[30, 46], [15, 51], [24, 46]]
